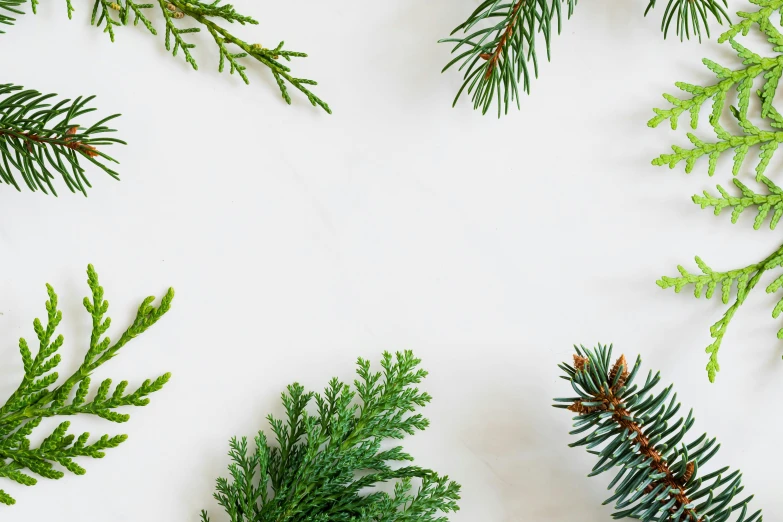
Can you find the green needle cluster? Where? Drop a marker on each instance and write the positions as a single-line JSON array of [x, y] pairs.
[[39, 397], [634, 430], [743, 136], [496, 45], [41, 137], [325, 466]]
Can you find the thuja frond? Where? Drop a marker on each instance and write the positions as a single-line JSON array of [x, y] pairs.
[[745, 136], [232, 51], [39, 396], [634, 429], [41, 137], [496, 46], [324, 466]]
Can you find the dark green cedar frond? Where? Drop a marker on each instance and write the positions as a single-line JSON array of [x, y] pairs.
[[38, 396], [40, 137], [112, 15], [631, 427], [746, 135], [322, 464], [497, 46]]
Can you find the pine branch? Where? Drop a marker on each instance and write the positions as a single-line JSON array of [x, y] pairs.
[[40, 138], [747, 135], [322, 464], [39, 397], [112, 15], [496, 47], [633, 428]]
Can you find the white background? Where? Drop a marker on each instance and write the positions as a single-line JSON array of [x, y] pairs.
[[297, 241]]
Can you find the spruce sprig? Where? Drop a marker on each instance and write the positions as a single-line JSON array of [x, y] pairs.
[[634, 427], [322, 464], [232, 50], [740, 139], [496, 46], [39, 396], [41, 137]]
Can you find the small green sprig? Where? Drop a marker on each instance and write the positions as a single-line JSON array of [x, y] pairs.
[[740, 140], [634, 428], [323, 465], [496, 46], [39, 397], [40, 137], [111, 15]]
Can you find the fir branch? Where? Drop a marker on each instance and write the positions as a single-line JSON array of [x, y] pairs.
[[40, 138], [747, 135], [112, 15], [634, 428], [496, 46], [38, 396], [322, 464]]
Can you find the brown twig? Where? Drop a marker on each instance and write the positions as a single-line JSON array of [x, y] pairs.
[[66, 141], [492, 59]]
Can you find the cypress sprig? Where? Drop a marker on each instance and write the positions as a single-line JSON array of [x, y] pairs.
[[740, 139], [41, 137], [39, 396], [634, 427], [322, 464], [496, 46], [231, 49]]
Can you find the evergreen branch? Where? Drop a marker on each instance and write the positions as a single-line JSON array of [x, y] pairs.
[[763, 202], [745, 280], [111, 15], [38, 396], [634, 428], [322, 464], [39, 138], [769, 69], [497, 45]]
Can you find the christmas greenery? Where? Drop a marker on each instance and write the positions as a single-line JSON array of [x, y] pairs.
[[324, 466], [179, 16], [41, 137], [742, 135], [633, 427], [497, 45], [39, 396]]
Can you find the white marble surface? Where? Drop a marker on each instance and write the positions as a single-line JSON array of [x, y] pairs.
[[298, 241]]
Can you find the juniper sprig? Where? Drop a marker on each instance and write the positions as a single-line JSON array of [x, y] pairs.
[[739, 139], [633, 428], [323, 465], [497, 45], [231, 49], [39, 396], [41, 137]]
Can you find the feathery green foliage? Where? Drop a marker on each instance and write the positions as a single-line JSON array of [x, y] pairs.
[[40, 137], [323, 463], [633, 428], [231, 49], [39, 396], [497, 47], [739, 139]]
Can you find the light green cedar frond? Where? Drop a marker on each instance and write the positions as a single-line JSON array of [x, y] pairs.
[[496, 47], [38, 396], [749, 135], [41, 138], [322, 463], [764, 203], [635, 428], [111, 15]]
